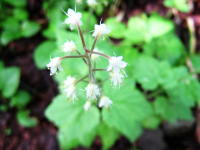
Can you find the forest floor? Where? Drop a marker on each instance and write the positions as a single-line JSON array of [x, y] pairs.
[[42, 88]]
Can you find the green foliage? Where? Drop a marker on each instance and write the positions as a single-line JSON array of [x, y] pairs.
[[10, 78], [195, 62], [15, 23], [181, 5], [20, 100], [18, 3], [9, 83], [25, 120], [125, 102], [142, 28], [78, 126], [159, 81], [117, 28], [43, 53]]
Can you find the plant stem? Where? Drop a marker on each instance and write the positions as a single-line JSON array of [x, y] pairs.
[[91, 75], [99, 69], [79, 56], [82, 38], [81, 79], [98, 53], [93, 45], [192, 41]]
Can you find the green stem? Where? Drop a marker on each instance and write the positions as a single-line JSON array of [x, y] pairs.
[[98, 53], [93, 45], [81, 79], [79, 56]]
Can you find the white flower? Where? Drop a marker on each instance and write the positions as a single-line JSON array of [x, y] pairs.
[[69, 46], [87, 106], [54, 65], [92, 3], [117, 77], [100, 30], [74, 18], [105, 102], [92, 91], [70, 89], [116, 63]]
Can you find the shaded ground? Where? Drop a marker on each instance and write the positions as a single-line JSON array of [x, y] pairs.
[[42, 88]]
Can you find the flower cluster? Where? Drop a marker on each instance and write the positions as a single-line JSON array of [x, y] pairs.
[[115, 68]]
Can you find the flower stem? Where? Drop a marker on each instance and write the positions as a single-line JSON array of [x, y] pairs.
[[79, 56], [98, 53], [81, 79], [99, 69], [82, 38], [83, 58], [93, 45]]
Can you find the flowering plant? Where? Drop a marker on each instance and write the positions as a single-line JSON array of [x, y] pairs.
[[115, 67], [96, 106]]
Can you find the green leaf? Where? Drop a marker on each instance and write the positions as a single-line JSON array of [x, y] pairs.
[[11, 28], [143, 29], [79, 125], [11, 78], [166, 47], [158, 26], [20, 100], [20, 14], [29, 28], [17, 3], [25, 120], [146, 71], [185, 91], [151, 122], [165, 108], [108, 135], [181, 5], [89, 20], [128, 110], [117, 28], [196, 62], [170, 77], [137, 29], [43, 53]]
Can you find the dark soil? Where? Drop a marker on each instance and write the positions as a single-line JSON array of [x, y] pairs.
[[42, 88]]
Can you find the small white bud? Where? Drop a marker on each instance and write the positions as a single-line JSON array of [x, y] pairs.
[[54, 65], [116, 63], [92, 91], [74, 18], [69, 46], [105, 102], [87, 106], [70, 89], [100, 30]]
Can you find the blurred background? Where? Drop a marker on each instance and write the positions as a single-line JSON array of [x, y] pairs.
[[160, 40]]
